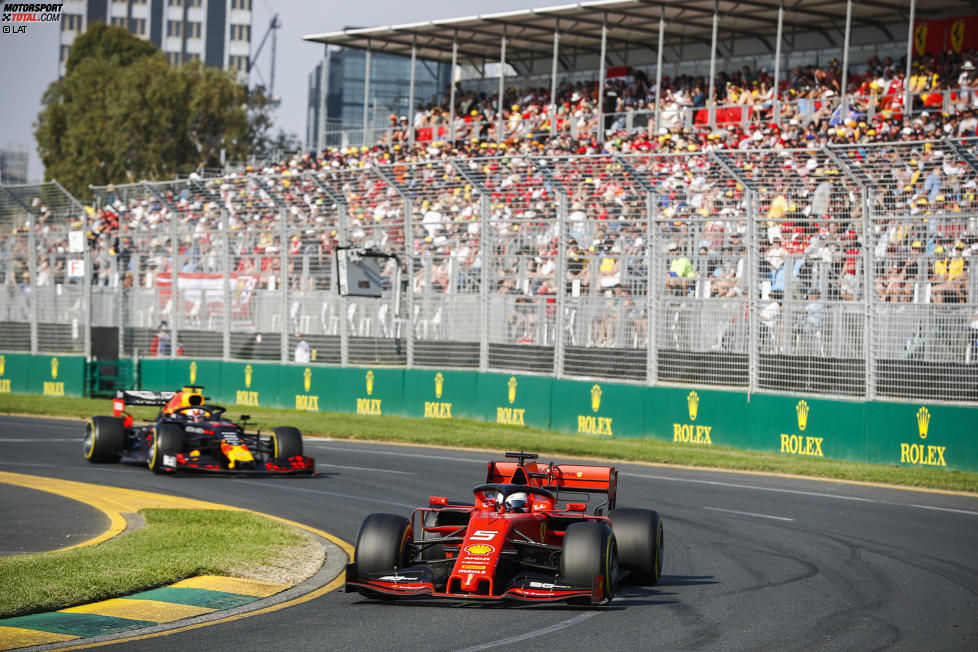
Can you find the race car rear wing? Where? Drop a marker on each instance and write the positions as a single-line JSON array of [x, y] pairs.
[[142, 397], [585, 478]]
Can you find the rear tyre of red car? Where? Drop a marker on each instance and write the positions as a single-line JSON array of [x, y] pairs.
[[589, 549], [286, 442], [168, 440], [640, 544], [105, 437], [383, 543]]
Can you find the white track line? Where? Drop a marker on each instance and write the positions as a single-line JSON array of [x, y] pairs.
[[275, 485], [363, 468], [734, 511], [539, 632]]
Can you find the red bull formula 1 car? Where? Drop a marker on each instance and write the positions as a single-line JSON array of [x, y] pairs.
[[514, 541], [191, 434]]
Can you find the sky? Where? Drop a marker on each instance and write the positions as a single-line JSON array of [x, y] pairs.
[[29, 62]]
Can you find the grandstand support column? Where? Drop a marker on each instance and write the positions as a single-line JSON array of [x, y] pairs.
[[907, 99], [366, 95], [844, 113], [651, 292], [414, 63], [226, 282], [451, 92], [560, 285], [777, 65], [602, 75], [553, 79], [484, 251], [711, 99], [323, 81], [502, 87], [658, 68]]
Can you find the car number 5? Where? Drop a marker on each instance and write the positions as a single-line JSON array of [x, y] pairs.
[[482, 535]]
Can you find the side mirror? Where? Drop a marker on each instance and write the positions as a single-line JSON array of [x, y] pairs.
[[246, 417]]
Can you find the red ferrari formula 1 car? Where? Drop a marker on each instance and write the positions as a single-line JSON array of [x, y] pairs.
[[515, 541], [191, 434]]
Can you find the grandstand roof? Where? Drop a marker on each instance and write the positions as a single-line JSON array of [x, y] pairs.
[[633, 25]]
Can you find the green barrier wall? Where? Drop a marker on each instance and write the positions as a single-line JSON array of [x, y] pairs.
[[697, 417], [439, 394], [514, 400], [56, 376], [601, 409], [15, 371], [907, 434]]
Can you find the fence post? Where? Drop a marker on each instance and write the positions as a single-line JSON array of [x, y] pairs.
[[484, 253], [652, 251], [284, 276], [409, 269], [226, 283], [32, 269], [751, 288], [560, 284]]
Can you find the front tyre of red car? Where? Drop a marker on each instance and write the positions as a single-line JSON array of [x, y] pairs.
[[640, 544], [383, 543], [589, 549], [104, 439], [167, 441]]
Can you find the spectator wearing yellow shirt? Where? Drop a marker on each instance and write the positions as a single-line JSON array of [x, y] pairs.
[[950, 277]]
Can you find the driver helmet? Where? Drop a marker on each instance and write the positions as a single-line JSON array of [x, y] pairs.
[[516, 502], [196, 415]]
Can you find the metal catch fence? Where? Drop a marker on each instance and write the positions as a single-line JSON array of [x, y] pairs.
[[838, 271]]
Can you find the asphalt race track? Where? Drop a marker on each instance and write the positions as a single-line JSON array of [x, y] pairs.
[[751, 562]]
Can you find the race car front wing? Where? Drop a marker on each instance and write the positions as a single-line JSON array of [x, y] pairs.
[[420, 581]]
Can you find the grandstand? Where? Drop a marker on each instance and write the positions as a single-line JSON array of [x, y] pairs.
[[811, 252]]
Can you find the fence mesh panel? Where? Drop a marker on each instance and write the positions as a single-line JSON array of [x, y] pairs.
[[837, 271]]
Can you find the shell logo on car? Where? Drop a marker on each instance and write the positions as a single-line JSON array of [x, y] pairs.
[[479, 549]]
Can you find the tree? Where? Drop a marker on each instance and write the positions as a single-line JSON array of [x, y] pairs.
[[121, 114]]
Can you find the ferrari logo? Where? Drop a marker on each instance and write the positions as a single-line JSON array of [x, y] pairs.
[[693, 402], [957, 35], [193, 372], [923, 421], [54, 368], [307, 378], [248, 372], [370, 382], [439, 384], [595, 398], [511, 395], [919, 38], [802, 410], [3, 364]]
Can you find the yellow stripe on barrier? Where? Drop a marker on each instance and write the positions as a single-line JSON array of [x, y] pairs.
[[151, 610], [233, 585], [14, 637]]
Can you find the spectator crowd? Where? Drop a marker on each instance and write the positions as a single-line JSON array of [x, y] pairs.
[[895, 191]]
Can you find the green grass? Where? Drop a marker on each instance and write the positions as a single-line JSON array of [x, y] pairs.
[[175, 544], [496, 438]]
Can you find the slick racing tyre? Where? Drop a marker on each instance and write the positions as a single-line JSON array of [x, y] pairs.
[[286, 442], [105, 437], [589, 549], [640, 544], [383, 543], [168, 440]]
